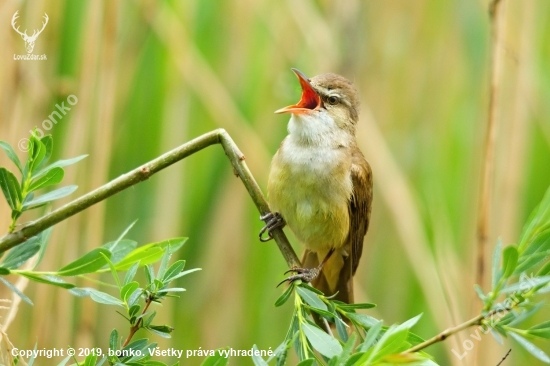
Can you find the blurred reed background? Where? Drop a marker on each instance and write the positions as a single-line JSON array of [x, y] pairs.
[[150, 75]]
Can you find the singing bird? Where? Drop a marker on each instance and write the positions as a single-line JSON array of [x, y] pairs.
[[320, 184]]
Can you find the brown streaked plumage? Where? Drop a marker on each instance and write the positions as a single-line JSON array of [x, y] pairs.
[[321, 184]]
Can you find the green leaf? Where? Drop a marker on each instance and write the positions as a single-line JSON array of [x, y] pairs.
[[390, 343], [90, 360], [324, 313], [409, 323], [321, 341], [510, 260], [530, 347], [51, 196], [44, 238], [127, 290], [164, 264], [21, 253], [496, 264], [539, 218], [149, 253], [103, 298], [58, 164], [541, 330], [217, 360], [184, 273], [11, 154], [10, 188], [120, 249], [47, 279], [349, 307], [38, 154], [113, 246], [48, 143], [285, 296], [479, 292], [341, 327], [114, 272], [149, 319], [545, 270], [4, 271], [526, 314], [161, 330], [54, 176], [523, 286], [312, 289], [113, 340], [363, 320], [16, 291], [173, 271], [88, 263], [134, 297], [131, 273], [258, 360], [372, 334], [311, 298], [307, 362]]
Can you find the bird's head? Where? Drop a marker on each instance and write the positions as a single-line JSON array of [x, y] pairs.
[[326, 96]]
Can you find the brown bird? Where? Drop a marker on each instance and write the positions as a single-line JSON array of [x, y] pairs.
[[320, 185]]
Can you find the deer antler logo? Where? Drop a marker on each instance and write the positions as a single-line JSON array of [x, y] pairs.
[[29, 40]]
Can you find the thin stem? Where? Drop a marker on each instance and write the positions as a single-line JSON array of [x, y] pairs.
[[484, 211], [219, 136], [448, 332], [136, 327], [505, 357]]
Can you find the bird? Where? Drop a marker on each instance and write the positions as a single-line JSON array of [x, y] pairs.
[[321, 186]]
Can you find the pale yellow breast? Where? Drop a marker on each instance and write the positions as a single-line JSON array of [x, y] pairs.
[[311, 188]]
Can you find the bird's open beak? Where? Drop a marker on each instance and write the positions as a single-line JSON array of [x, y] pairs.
[[310, 99]]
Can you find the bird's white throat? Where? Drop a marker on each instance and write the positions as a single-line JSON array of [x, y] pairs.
[[317, 129]]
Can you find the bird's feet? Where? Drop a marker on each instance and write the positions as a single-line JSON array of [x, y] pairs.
[[272, 221], [305, 274]]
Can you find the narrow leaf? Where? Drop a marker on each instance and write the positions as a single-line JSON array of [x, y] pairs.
[[131, 273], [51, 196], [218, 359], [285, 296], [54, 176], [88, 263], [58, 164], [321, 341], [11, 154], [16, 291], [510, 260], [311, 298], [173, 271], [10, 188], [372, 334], [496, 263], [534, 350], [149, 253], [113, 340], [21, 253], [47, 279], [103, 298]]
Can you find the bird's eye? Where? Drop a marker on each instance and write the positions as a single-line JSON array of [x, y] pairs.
[[333, 100]]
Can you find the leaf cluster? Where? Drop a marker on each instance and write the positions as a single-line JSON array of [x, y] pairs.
[[35, 174], [360, 340], [520, 273]]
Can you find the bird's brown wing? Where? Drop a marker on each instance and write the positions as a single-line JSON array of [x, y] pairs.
[[359, 206], [359, 209]]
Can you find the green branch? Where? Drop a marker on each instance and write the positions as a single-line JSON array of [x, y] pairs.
[[219, 136]]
